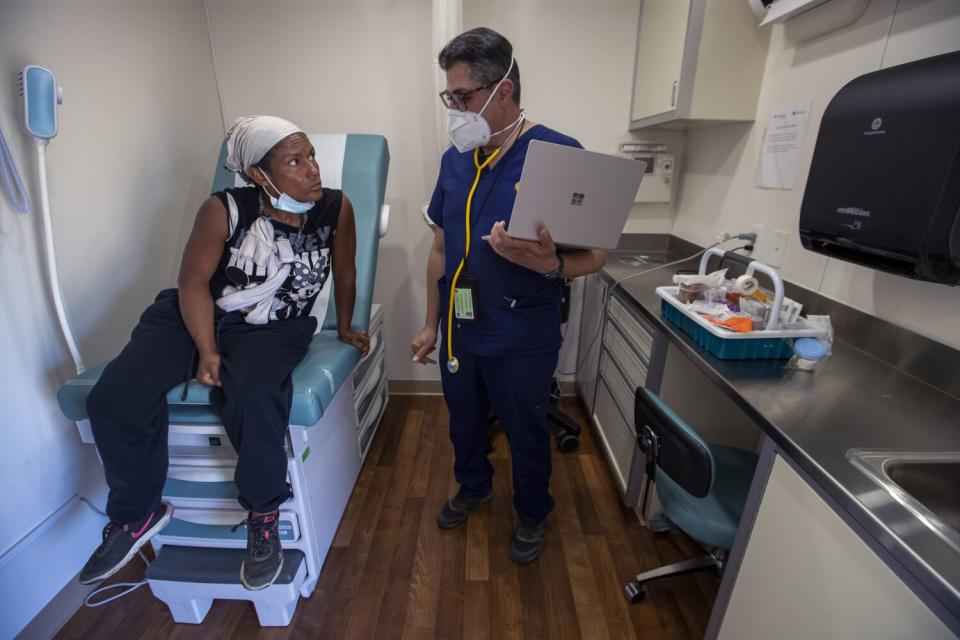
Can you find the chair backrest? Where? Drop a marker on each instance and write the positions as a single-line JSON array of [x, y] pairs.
[[680, 451], [357, 164]]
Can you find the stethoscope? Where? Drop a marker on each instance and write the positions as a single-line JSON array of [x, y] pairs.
[[453, 363]]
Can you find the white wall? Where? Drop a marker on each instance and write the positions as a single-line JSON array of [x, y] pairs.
[[139, 134], [357, 67], [576, 68], [717, 187]]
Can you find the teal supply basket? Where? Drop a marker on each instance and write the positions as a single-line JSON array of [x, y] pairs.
[[766, 344]]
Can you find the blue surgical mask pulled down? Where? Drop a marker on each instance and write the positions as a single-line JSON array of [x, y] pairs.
[[285, 202], [468, 130]]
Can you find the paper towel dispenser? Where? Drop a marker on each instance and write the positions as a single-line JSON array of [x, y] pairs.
[[884, 185]]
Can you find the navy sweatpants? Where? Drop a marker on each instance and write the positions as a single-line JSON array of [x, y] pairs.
[[128, 406], [518, 391]]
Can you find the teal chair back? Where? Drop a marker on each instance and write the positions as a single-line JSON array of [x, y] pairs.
[[678, 450]]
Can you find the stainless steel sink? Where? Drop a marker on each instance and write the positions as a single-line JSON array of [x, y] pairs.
[[926, 482], [634, 259]]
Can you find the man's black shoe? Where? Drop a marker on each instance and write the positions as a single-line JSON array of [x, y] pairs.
[[458, 508]]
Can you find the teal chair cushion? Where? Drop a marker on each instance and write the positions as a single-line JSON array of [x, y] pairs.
[[713, 519], [316, 380]]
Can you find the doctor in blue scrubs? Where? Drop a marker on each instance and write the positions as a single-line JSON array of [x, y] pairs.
[[501, 332]]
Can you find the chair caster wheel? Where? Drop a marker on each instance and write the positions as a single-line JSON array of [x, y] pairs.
[[634, 593], [567, 443]]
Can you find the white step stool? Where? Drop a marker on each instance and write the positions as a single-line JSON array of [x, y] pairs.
[[189, 579]]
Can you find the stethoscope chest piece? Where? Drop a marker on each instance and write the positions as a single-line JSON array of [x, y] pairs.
[[453, 365]]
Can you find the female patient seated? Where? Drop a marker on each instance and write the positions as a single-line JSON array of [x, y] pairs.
[[240, 321]]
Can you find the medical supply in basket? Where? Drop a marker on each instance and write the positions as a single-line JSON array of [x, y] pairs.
[[694, 287]]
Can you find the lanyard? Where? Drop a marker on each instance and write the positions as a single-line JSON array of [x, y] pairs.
[[453, 364]]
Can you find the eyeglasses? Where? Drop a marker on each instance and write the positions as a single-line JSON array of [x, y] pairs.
[[458, 99]]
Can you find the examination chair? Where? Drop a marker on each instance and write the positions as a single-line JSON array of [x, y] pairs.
[[702, 487], [338, 401]]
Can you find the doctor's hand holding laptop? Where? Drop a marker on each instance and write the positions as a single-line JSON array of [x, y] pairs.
[[568, 197]]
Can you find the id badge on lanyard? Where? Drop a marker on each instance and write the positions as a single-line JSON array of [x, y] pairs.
[[465, 304]]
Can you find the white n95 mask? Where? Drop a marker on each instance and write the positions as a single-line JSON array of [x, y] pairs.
[[468, 130]]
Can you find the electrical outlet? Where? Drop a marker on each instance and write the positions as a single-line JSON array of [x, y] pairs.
[[757, 229], [777, 247]]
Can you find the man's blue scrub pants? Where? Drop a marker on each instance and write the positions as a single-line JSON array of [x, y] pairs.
[[518, 391]]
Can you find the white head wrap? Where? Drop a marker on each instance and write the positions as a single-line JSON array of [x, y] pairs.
[[250, 138]]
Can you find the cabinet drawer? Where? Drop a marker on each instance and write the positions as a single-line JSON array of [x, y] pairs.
[[205, 441], [620, 389], [201, 486], [368, 404], [370, 422], [208, 527], [617, 438], [632, 367], [376, 351], [364, 396], [637, 333]]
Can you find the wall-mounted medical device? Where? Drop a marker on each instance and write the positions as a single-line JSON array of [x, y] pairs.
[[884, 185], [41, 95], [657, 183]]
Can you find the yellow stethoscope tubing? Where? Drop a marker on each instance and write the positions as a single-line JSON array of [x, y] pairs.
[[453, 364]]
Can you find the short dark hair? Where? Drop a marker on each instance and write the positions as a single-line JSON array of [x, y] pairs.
[[488, 55]]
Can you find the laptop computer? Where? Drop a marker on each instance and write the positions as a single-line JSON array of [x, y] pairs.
[[582, 197]]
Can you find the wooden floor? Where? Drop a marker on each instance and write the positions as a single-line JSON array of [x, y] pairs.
[[393, 573]]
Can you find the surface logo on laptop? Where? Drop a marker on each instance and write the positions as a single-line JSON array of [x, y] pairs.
[[576, 199]]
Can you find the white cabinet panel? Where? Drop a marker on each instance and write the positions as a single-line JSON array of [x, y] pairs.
[[698, 63], [660, 43], [806, 574]]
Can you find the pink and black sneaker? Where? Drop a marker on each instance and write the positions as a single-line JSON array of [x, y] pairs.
[[264, 557], [121, 542]]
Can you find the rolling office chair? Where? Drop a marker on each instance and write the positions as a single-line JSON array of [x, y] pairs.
[[568, 436], [702, 487]]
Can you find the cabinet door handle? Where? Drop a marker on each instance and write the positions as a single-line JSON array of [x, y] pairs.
[[673, 94]]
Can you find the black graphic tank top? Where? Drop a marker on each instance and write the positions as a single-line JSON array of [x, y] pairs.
[[312, 245]]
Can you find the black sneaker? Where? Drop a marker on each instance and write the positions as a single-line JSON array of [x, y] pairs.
[[121, 542], [527, 542], [458, 508], [264, 558]]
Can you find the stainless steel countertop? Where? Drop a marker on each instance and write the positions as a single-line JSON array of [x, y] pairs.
[[853, 401]]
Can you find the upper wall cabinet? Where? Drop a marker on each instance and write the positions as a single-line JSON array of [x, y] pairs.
[[699, 63]]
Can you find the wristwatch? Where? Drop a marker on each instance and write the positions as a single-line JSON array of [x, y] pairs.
[[557, 273]]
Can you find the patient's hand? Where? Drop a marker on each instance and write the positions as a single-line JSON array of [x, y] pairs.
[[358, 339], [208, 370], [536, 255]]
